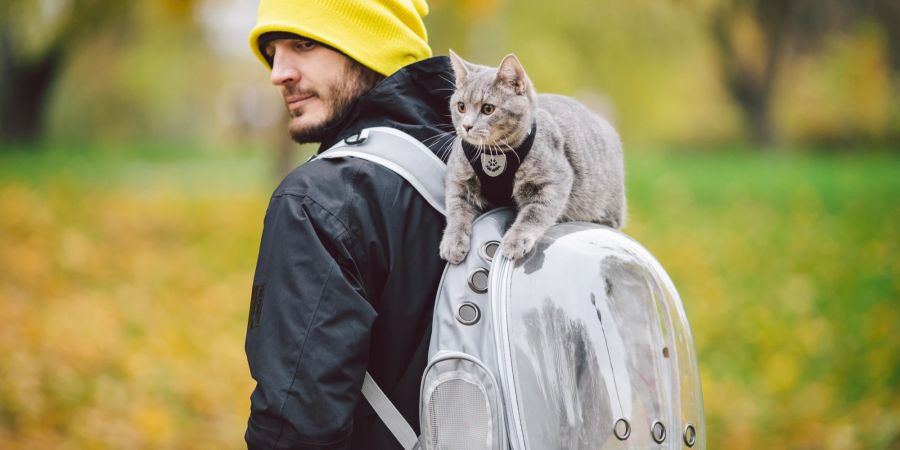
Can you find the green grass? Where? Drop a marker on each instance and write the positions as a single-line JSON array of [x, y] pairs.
[[179, 168], [127, 277]]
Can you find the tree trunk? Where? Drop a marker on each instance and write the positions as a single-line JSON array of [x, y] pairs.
[[888, 13], [759, 122], [24, 92], [751, 82]]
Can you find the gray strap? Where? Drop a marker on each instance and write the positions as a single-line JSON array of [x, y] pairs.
[[401, 153], [388, 413], [415, 162]]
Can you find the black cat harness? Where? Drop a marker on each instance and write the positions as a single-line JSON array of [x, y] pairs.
[[496, 169]]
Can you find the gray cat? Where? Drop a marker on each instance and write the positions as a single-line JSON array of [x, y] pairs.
[[569, 159]]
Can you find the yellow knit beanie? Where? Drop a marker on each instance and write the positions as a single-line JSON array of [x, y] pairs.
[[383, 35]]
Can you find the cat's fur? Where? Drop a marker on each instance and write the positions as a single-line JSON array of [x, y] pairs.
[[574, 171]]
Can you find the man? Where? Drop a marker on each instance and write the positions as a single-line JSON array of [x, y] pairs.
[[348, 263]]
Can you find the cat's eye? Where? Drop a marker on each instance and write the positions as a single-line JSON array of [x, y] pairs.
[[487, 109], [461, 107]]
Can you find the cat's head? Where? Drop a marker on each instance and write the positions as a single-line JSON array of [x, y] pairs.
[[492, 106]]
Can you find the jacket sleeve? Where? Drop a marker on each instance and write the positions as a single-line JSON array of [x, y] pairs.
[[308, 331]]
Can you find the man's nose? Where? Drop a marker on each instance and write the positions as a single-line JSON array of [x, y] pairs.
[[283, 73]]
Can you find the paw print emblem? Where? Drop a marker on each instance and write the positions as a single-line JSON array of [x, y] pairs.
[[493, 165]]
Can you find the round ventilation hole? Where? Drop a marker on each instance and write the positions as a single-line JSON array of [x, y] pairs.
[[622, 429], [478, 280], [468, 313], [488, 250], [690, 435], [658, 432]]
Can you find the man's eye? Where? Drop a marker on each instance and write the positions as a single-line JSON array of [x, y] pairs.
[[305, 45], [270, 51], [461, 107], [487, 109]]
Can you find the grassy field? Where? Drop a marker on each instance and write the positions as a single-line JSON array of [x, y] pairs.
[[126, 281]]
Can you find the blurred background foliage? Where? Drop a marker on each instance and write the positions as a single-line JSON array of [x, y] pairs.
[[139, 142]]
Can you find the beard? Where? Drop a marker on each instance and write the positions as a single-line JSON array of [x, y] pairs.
[[338, 99]]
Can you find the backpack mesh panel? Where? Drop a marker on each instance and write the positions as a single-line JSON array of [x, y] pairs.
[[459, 417]]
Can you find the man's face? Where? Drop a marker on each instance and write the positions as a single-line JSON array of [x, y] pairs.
[[318, 85]]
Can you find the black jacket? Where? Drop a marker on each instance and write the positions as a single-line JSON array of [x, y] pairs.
[[345, 282]]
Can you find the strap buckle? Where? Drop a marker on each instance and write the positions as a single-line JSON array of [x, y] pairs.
[[358, 138]]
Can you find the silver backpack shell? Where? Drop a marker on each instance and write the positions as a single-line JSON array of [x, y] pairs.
[[584, 344]]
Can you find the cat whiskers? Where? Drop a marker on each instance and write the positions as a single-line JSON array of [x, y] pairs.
[[436, 137], [479, 150], [447, 147], [451, 83], [442, 142], [445, 126], [513, 151]]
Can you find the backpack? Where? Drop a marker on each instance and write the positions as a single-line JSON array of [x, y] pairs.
[[581, 344]]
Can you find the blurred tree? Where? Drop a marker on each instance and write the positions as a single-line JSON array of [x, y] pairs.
[[887, 12], [752, 39], [36, 38]]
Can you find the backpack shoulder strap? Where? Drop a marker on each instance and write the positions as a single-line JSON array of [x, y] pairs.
[[393, 420], [401, 153], [413, 161]]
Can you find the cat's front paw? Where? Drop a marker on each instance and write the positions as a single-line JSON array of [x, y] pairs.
[[516, 245], [454, 247]]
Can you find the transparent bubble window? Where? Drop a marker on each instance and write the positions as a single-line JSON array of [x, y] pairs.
[[600, 350]]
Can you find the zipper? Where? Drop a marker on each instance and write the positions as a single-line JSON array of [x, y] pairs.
[[500, 277]]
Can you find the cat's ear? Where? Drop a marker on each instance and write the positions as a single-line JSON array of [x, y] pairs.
[[459, 68], [512, 74]]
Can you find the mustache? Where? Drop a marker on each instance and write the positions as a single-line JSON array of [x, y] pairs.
[[298, 92]]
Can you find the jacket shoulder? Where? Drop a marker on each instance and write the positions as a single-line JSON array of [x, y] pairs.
[[339, 184], [334, 177]]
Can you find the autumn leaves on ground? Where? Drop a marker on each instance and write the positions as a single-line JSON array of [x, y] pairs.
[[125, 287]]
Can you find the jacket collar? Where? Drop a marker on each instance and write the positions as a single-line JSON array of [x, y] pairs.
[[415, 100]]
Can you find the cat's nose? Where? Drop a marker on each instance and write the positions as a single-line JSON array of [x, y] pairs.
[[467, 127]]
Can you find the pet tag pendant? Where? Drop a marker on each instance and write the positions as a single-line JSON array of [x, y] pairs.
[[493, 165]]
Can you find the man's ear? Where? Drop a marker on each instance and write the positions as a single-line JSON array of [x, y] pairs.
[[512, 74], [460, 68]]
